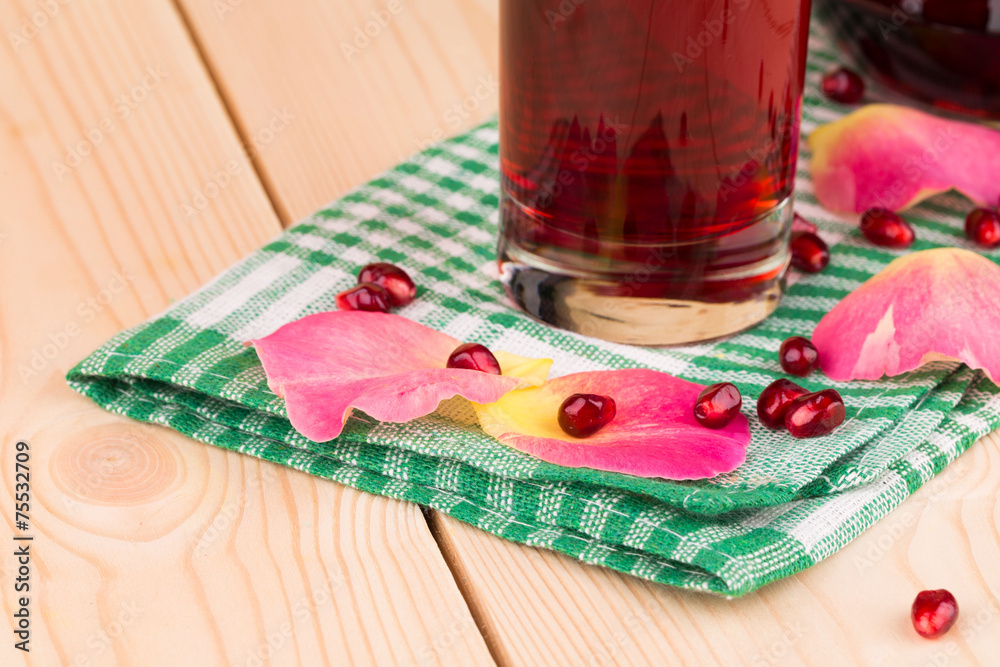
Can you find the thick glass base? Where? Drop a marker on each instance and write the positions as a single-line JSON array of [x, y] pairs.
[[650, 295]]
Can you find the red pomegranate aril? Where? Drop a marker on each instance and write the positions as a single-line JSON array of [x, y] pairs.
[[809, 252], [844, 86], [583, 415], [717, 405], [798, 356], [983, 227], [933, 613], [393, 279], [800, 224], [815, 414], [474, 357], [366, 296], [773, 403], [886, 228]]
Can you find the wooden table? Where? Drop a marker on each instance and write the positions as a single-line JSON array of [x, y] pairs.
[[147, 145]]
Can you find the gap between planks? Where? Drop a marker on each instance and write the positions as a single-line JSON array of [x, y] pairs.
[[430, 516], [454, 563], [269, 188]]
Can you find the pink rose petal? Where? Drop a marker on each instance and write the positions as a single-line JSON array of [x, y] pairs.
[[654, 433], [893, 157], [926, 306], [384, 365]]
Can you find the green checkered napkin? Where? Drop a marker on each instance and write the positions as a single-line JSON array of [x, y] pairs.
[[792, 504]]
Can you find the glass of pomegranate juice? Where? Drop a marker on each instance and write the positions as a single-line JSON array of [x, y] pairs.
[[648, 152]]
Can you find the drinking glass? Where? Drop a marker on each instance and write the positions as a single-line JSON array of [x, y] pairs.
[[648, 152], [942, 52]]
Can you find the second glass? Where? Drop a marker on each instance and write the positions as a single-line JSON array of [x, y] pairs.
[[648, 152]]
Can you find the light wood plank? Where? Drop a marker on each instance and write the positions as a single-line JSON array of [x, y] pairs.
[[544, 608], [362, 115], [151, 548], [430, 72]]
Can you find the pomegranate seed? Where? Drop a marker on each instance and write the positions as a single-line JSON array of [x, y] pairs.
[[366, 296], [798, 356], [800, 224], [393, 279], [983, 227], [717, 405], [583, 415], [815, 414], [809, 252], [774, 401], [934, 612], [885, 228], [474, 357], [844, 86]]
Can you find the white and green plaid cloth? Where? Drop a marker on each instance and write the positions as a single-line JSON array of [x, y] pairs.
[[792, 504]]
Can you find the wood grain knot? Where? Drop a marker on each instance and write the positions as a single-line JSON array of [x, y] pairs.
[[116, 465]]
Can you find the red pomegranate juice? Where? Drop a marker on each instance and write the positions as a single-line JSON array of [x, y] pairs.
[[648, 152]]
